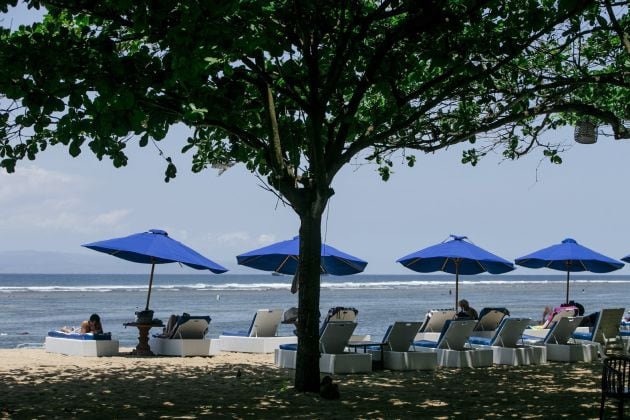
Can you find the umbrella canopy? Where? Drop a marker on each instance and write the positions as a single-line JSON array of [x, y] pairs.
[[456, 256], [569, 256], [283, 257], [154, 247]]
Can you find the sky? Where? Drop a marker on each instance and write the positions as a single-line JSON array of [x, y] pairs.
[[511, 208]]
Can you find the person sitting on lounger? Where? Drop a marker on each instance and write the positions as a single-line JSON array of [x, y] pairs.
[[93, 325], [170, 326], [466, 310]]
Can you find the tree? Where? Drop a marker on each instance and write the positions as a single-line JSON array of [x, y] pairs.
[[296, 89]]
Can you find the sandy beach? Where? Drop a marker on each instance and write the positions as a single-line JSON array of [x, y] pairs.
[[36, 384]]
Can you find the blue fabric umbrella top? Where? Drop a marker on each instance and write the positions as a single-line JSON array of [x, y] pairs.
[[155, 247], [283, 257], [456, 256], [571, 257]]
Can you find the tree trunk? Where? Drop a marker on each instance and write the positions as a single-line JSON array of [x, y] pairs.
[[307, 367]]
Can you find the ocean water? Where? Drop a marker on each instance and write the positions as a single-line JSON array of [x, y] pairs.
[[31, 305]]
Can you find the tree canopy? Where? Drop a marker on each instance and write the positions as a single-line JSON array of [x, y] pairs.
[[296, 89]]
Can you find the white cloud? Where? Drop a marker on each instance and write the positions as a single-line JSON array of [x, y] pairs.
[[36, 198], [266, 239], [32, 181], [243, 239], [234, 238], [110, 218]]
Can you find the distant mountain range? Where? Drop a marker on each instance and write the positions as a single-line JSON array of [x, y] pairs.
[[49, 262]]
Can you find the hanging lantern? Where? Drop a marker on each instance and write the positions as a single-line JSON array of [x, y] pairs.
[[585, 132]]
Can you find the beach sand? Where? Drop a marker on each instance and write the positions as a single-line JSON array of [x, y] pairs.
[[36, 384]]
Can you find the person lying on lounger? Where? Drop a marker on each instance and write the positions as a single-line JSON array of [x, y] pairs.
[[69, 330], [93, 325]]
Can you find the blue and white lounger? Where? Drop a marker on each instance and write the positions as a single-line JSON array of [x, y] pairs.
[[332, 344], [188, 338], [398, 354], [452, 348], [559, 344], [489, 320], [433, 323], [606, 331], [507, 345], [260, 337], [77, 344]]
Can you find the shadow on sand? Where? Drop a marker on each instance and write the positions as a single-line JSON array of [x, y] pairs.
[[162, 390]]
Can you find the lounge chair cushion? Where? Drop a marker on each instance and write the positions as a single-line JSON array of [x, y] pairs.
[[425, 343], [292, 347], [583, 335], [482, 341], [241, 333], [79, 336]]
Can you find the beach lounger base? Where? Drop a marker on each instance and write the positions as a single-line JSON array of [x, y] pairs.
[[583, 352], [407, 360], [184, 347], [90, 348], [519, 356], [329, 363], [254, 344], [471, 358]]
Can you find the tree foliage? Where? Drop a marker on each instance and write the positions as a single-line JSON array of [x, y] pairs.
[[296, 89]]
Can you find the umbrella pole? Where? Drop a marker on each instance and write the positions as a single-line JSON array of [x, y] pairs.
[[150, 285], [567, 300], [456, 283]]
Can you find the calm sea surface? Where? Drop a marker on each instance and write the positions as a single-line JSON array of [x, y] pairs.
[[31, 305]]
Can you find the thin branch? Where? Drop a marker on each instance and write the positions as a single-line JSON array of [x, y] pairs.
[[623, 36]]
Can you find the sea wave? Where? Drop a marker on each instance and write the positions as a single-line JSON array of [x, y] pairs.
[[330, 285]]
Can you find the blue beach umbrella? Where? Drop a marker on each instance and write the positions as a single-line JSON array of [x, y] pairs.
[[456, 256], [155, 247], [569, 256], [283, 257]]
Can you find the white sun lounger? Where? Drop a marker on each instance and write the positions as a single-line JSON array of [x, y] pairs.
[[76, 344], [489, 320], [341, 313], [452, 349], [559, 344], [507, 346], [333, 358], [188, 338], [261, 336], [541, 331], [433, 323], [398, 354], [606, 331]]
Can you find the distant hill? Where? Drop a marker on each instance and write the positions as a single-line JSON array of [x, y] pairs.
[[49, 262]]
